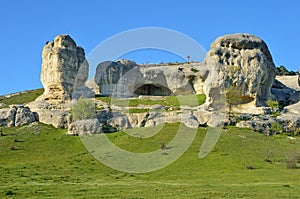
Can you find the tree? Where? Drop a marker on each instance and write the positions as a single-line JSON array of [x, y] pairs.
[[281, 70], [188, 58], [83, 109]]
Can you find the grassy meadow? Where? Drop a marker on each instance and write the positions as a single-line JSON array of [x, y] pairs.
[[39, 161]]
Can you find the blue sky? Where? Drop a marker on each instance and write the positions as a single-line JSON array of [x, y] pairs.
[[27, 25]]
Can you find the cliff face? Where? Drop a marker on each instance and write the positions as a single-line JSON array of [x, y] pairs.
[[64, 69]]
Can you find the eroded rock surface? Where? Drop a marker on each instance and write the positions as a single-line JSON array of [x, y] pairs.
[[242, 61], [127, 79], [17, 115], [64, 69]]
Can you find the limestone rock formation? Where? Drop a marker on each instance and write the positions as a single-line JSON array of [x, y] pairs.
[[290, 117], [7, 117], [261, 124], [126, 79], [242, 61], [283, 93], [17, 115], [85, 127], [290, 81], [24, 116], [56, 115], [109, 73], [64, 69]]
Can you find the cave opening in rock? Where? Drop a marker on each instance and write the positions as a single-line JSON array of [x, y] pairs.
[[153, 90]]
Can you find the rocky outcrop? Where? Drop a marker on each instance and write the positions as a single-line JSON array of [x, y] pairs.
[[290, 117], [24, 116], [7, 117], [241, 61], [64, 69], [56, 115], [17, 115], [85, 127], [109, 73], [290, 81], [261, 124], [282, 93], [126, 79]]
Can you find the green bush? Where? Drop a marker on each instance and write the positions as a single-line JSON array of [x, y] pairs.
[[194, 70], [273, 104], [83, 109], [276, 128]]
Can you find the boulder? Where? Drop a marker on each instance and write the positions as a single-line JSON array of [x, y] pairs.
[[242, 62], [85, 127], [7, 117], [261, 124], [17, 115], [290, 117], [24, 116], [64, 69], [56, 118], [119, 122], [189, 120]]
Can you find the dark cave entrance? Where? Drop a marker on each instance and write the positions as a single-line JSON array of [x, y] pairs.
[[153, 90]]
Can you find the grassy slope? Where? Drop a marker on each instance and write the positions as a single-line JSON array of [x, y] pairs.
[[173, 101], [22, 98], [49, 164]]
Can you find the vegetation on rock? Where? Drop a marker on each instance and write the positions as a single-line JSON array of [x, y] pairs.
[[83, 109]]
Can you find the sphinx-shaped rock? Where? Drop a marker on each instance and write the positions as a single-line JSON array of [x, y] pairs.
[[64, 69], [243, 63]]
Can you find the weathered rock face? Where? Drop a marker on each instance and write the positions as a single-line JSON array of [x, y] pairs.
[[241, 61], [290, 117], [64, 69], [85, 127], [56, 115], [17, 115], [7, 117], [109, 73], [283, 93], [24, 116], [126, 79]]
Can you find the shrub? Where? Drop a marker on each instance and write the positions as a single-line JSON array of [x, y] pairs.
[[296, 132], [273, 104], [83, 109], [275, 128], [291, 162], [194, 70]]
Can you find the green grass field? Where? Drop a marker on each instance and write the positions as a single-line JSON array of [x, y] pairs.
[[169, 101], [39, 161], [22, 98]]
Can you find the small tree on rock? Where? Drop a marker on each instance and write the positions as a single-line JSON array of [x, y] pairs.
[[83, 109]]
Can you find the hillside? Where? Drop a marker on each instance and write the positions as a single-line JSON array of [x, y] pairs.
[[39, 161]]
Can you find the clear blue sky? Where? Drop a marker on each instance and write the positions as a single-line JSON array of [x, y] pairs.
[[27, 25]]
